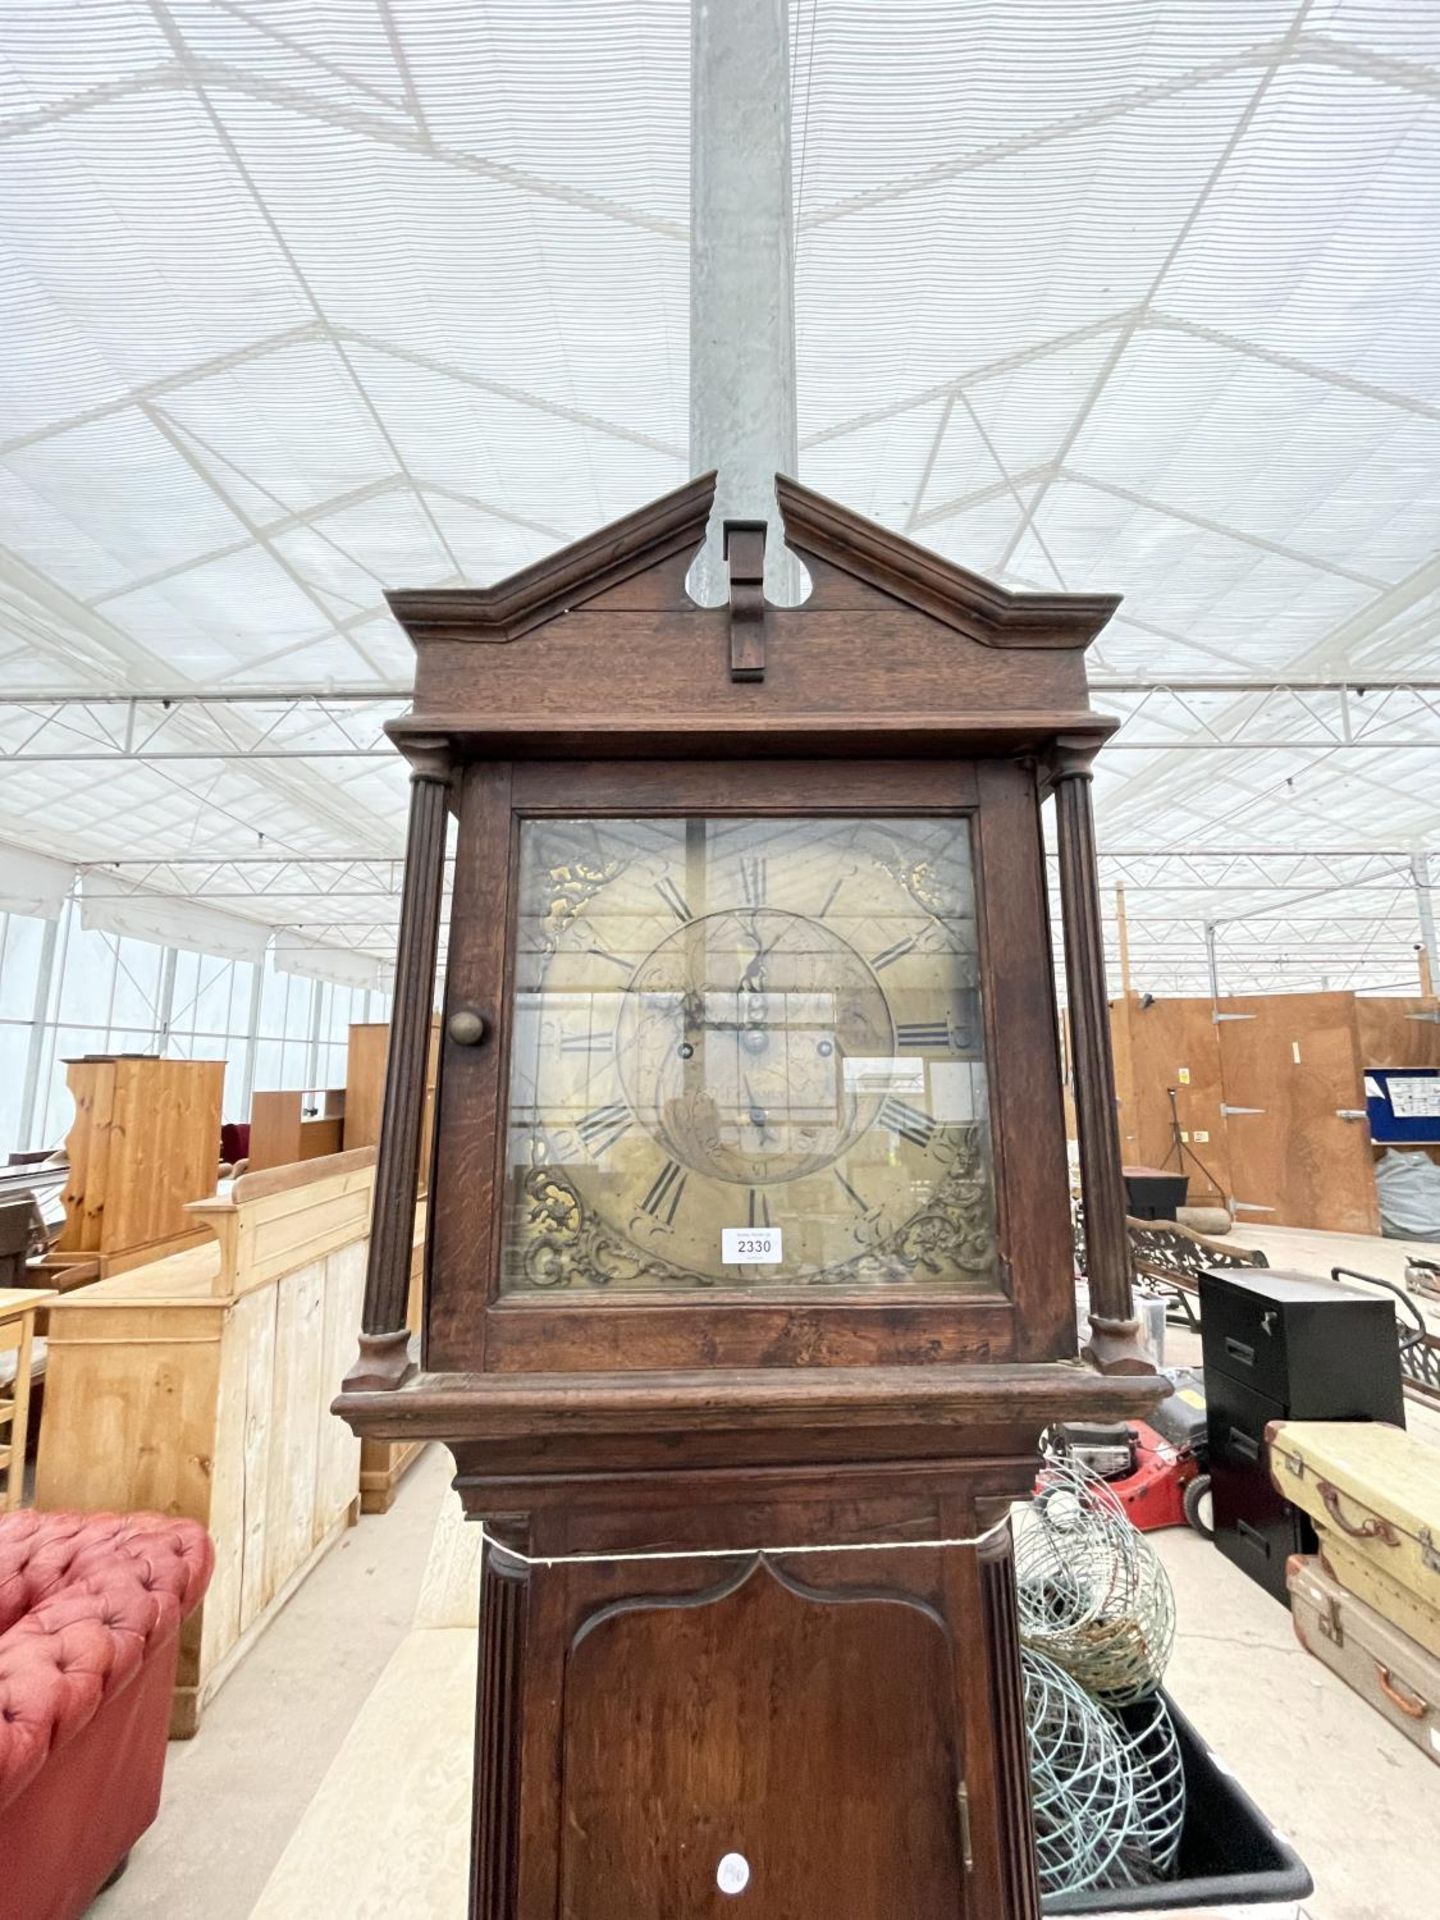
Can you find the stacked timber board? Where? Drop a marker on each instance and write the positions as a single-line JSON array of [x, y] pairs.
[[1368, 1604]]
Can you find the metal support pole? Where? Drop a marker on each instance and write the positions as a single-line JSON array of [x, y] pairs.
[[1212, 965], [1122, 924], [165, 1000], [34, 1053], [312, 1051], [742, 276], [252, 1036], [1420, 873]]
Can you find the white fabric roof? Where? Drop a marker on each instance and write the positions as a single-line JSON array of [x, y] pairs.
[[302, 300]]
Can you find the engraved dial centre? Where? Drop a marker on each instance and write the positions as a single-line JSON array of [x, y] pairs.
[[732, 1040]]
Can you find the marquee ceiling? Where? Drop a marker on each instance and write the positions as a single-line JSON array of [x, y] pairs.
[[302, 301]]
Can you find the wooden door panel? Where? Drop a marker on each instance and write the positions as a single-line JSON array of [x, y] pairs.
[[1154, 1047], [809, 1733], [1296, 1061]]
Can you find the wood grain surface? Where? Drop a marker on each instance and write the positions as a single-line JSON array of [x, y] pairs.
[[825, 1758]]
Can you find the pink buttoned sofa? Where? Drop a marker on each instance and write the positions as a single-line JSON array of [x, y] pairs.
[[90, 1613]]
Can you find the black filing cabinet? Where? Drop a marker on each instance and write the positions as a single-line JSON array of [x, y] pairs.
[[1284, 1346]]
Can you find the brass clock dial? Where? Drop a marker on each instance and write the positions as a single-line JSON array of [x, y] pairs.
[[731, 1038], [747, 1053]]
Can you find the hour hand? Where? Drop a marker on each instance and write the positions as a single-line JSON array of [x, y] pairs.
[[692, 1013], [758, 1116]]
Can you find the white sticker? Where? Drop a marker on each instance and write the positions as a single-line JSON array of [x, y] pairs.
[[733, 1873], [750, 1246], [957, 1091], [1373, 1088], [866, 1073], [1416, 1097], [1435, 1738]]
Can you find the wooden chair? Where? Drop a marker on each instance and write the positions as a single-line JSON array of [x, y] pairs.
[[17, 1345]]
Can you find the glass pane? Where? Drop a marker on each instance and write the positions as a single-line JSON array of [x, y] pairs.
[[137, 985], [89, 976], [212, 1001], [187, 985], [747, 1053], [297, 1013], [242, 976], [20, 966], [14, 1053], [268, 1066], [272, 1005]]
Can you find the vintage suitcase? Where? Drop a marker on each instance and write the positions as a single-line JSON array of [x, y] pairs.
[[1400, 1679], [1397, 1604], [1374, 1490]]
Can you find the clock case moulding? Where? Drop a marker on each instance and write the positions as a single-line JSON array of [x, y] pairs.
[[848, 1722]]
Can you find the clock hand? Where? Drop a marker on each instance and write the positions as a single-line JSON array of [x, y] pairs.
[[753, 978], [692, 1013], [757, 1113]]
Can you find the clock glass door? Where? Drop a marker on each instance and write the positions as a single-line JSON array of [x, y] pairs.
[[747, 1054]]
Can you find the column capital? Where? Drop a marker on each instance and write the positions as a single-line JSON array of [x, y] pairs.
[[1071, 759], [429, 757]]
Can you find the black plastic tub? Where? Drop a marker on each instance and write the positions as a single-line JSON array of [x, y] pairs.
[[1153, 1195], [1229, 1852]]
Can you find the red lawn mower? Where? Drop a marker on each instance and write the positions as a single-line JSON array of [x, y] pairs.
[[1158, 1472]]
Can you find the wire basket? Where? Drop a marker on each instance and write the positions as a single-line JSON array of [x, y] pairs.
[[1092, 1595], [1157, 1767], [1080, 1780], [1108, 1793]]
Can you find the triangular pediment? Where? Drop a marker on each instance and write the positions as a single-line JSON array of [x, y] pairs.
[[637, 543], [822, 530], [833, 538]]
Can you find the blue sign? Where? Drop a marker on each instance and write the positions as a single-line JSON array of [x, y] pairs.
[[1403, 1105]]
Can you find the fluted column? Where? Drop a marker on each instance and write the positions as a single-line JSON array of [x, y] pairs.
[[384, 1359], [1114, 1343]]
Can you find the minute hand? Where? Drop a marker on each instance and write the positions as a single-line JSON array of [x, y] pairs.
[[752, 980]]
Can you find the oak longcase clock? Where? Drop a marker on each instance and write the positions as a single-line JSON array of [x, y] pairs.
[[749, 1282]]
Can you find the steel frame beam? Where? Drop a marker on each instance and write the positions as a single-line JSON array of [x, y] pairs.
[[1261, 716]]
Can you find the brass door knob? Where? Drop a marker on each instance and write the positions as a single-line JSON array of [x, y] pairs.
[[467, 1028]]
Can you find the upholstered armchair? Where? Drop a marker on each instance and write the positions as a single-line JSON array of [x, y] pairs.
[[90, 1613]]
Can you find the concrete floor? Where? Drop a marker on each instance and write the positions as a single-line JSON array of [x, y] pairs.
[[234, 1793], [1359, 1803]]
